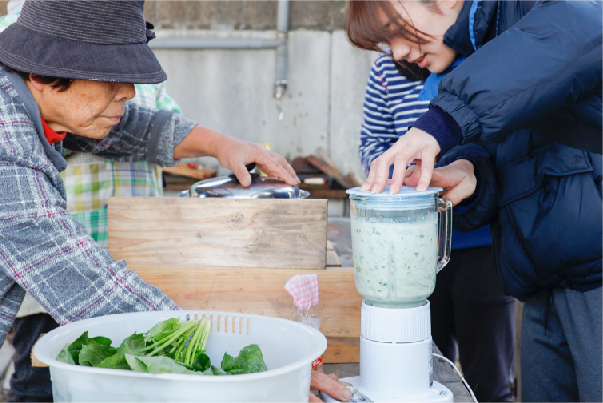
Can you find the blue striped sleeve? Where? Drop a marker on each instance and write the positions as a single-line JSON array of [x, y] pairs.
[[390, 106]]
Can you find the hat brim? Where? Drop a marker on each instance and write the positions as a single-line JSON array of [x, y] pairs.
[[27, 51]]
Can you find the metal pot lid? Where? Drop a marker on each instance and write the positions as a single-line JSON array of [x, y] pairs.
[[229, 187]]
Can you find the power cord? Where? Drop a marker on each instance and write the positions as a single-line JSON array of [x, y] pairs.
[[459, 374]]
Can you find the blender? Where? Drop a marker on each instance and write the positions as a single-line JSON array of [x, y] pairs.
[[399, 243]]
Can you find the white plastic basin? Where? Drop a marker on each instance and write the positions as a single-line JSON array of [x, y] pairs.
[[288, 347]]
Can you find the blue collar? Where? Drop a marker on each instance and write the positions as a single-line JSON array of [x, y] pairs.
[[465, 36], [430, 88]]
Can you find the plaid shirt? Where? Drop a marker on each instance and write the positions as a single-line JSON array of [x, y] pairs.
[[90, 180], [43, 250]]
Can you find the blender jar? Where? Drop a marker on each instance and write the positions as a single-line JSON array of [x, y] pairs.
[[399, 243]]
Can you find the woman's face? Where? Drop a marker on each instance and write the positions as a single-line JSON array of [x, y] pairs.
[[86, 108], [433, 20]]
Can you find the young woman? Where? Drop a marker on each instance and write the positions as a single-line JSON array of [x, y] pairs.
[[468, 306], [526, 104]]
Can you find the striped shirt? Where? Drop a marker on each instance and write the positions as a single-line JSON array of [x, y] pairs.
[[391, 104]]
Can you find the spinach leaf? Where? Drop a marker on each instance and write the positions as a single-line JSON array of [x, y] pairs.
[[116, 361], [250, 360], [164, 329], [201, 362], [101, 340], [71, 352], [134, 345], [213, 370], [65, 356], [93, 353], [135, 364], [157, 365], [75, 347]]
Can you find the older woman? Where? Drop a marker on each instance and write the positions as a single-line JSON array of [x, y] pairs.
[[66, 72]]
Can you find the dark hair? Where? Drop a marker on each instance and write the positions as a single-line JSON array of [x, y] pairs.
[[411, 70], [365, 30], [62, 84]]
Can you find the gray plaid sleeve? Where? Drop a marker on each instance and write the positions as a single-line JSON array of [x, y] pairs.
[[50, 255], [144, 134]]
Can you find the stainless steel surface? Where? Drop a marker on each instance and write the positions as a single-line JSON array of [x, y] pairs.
[[229, 187]]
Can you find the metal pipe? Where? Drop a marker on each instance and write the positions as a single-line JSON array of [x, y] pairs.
[[282, 27], [216, 43]]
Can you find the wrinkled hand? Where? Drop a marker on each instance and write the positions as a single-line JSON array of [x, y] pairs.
[[457, 179], [415, 146], [235, 154], [328, 384]]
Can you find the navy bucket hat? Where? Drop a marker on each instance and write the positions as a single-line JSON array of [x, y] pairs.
[[82, 40]]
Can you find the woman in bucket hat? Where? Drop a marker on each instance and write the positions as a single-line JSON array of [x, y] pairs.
[[66, 72]]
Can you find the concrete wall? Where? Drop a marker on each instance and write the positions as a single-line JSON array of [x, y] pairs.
[[232, 90], [322, 15]]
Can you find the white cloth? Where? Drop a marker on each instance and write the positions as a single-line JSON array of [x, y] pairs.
[[30, 307], [14, 6]]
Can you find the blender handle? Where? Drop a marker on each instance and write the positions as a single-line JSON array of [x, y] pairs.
[[444, 232]]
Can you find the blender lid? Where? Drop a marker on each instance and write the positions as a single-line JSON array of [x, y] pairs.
[[405, 191]]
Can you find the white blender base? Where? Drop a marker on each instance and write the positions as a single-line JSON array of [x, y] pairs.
[[437, 393]]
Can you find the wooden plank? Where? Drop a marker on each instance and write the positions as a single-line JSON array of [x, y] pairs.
[[342, 350], [177, 183], [261, 291], [325, 157], [326, 168], [34, 360], [183, 170], [264, 233], [332, 259], [325, 194]]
